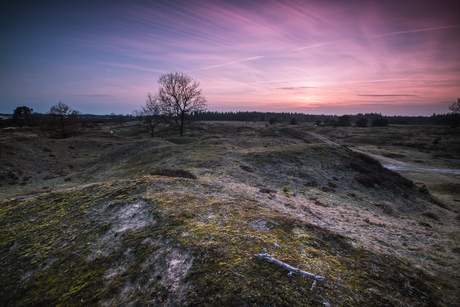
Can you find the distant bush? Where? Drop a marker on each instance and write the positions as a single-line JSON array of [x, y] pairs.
[[286, 191], [431, 215], [425, 224], [380, 122], [311, 184], [373, 173], [361, 122], [343, 121], [386, 207], [267, 191], [423, 189], [61, 122], [173, 173], [246, 168]]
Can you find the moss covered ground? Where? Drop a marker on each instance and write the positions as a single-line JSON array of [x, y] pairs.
[[119, 236]]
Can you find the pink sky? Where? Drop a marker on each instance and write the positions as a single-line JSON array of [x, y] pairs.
[[320, 57]]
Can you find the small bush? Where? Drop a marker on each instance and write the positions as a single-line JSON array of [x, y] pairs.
[[311, 184], [265, 190], [173, 173], [286, 190], [380, 122], [386, 207], [425, 224], [367, 180], [372, 173], [423, 189], [431, 215], [246, 168]]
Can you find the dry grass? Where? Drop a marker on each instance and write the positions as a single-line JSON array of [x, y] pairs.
[[179, 173], [161, 237]]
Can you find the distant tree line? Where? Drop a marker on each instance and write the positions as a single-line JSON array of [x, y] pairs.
[[62, 121], [24, 117], [359, 120]]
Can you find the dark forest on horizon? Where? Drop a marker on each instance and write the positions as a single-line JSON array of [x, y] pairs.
[[293, 118]]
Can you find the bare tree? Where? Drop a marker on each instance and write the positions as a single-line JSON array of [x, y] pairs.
[[151, 112], [455, 107], [178, 98], [61, 121]]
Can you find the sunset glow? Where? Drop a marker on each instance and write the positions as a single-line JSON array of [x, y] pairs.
[[320, 57]]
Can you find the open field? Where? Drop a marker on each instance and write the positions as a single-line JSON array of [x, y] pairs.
[[85, 220]]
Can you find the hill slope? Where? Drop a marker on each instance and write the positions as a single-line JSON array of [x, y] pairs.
[[113, 234]]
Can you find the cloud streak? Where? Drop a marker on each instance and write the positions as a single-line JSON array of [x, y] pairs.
[[270, 55]]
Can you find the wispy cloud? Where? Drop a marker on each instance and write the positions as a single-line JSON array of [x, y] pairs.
[[291, 54], [293, 88], [230, 63], [385, 95]]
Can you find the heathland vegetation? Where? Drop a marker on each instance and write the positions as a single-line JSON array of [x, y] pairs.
[[109, 215]]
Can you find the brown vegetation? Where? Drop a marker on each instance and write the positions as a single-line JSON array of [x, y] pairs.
[[102, 230]]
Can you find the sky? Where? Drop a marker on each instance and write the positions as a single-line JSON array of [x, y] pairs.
[[309, 56]]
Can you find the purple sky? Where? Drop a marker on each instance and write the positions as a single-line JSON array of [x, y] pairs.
[[319, 57]]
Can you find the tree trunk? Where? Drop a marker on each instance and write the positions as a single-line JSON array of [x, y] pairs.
[[151, 127], [182, 123]]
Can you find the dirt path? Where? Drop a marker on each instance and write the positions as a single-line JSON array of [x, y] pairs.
[[392, 163]]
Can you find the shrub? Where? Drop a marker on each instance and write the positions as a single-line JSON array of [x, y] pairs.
[[173, 173], [423, 189], [380, 122], [425, 224], [286, 190], [431, 215], [372, 173], [246, 168], [311, 184], [386, 207], [366, 180], [265, 190], [361, 122]]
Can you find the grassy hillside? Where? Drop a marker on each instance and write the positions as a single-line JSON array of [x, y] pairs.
[[84, 221]]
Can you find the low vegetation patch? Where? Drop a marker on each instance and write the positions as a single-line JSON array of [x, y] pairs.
[[372, 173], [174, 173], [386, 207], [431, 215], [160, 242], [133, 239]]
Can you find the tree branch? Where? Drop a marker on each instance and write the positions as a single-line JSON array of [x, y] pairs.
[[292, 270]]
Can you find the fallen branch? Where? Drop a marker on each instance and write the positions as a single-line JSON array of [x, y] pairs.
[[291, 269]]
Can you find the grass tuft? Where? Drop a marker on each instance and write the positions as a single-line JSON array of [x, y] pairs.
[[386, 207], [431, 215], [173, 173]]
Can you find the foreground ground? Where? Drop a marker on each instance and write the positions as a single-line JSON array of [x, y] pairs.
[[83, 220]]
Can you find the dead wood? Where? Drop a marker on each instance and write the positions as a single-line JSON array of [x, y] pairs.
[[269, 258]]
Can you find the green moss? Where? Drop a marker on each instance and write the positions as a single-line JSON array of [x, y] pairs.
[[69, 248]]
